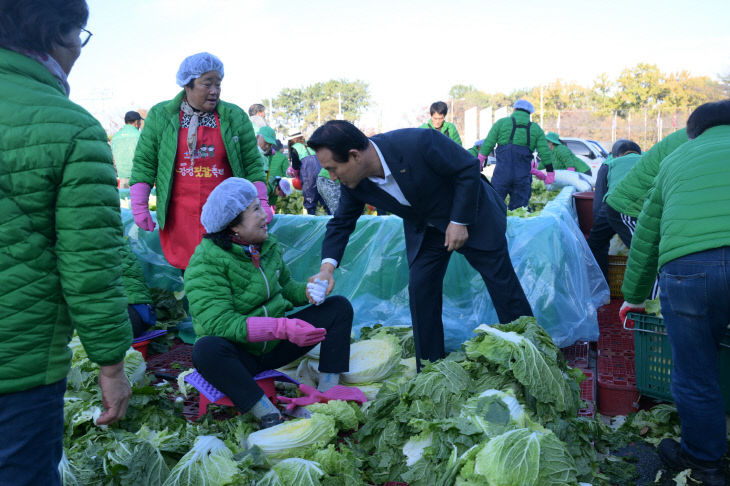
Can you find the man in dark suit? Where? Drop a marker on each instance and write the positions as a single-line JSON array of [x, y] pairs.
[[446, 205]]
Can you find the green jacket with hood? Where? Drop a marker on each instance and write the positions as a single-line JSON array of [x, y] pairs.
[[447, 129], [154, 160], [133, 277], [60, 232], [224, 288], [629, 195], [501, 130], [686, 213]]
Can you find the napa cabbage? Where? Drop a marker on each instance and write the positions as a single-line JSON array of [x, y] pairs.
[[208, 463], [294, 437]]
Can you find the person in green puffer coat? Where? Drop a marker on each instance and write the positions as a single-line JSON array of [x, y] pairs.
[[140, 306], [629, 195], [241, 297], [185, 165], [563, 158], [438, 111], [683, 231], [61, 235]]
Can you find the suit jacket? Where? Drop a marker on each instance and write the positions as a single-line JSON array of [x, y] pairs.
[[442, 183]]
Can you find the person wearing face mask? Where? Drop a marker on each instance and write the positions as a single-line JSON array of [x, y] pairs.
[[241, 296], [190, 144], [61, 243]]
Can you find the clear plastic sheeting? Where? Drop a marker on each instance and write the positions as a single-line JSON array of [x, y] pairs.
[[551, 257], [146, 245]]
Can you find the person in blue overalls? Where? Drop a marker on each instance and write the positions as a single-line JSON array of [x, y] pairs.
[[517, 138]]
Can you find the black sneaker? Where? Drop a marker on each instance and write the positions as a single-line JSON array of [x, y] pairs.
[[270, 420], [676, 460]]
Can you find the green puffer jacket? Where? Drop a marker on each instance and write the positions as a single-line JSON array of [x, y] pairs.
[[278, 164], [133, 277], [224, 288], [154, 159], [60, 232], [687, 210], [123, 143], [629, 195], [564, 158], [618, 170], [501, 130], [447, 129]]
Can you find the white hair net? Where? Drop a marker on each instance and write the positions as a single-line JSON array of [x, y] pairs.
[[229, 199], [196, 65]]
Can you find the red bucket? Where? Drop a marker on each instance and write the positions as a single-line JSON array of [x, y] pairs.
[[584, 208]]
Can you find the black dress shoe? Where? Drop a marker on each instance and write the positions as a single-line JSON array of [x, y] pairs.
[[270, 420], [711, 473]]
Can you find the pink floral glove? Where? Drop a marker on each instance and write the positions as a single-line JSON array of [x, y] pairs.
[[264, 199], [550, 178], [482, 160], [292, 173], [139, 194], [572, 169]]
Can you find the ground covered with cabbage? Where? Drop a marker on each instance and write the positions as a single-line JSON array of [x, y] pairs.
[[500, 411]]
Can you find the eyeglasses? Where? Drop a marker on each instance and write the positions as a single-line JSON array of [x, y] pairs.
[[85, 36]]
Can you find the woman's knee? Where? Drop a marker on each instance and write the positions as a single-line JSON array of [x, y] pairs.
[[342, 307], [209, 349]]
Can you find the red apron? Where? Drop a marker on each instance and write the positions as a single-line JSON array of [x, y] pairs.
[[191, 185]]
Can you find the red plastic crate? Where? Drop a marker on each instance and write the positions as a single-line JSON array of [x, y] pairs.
[[577, 355], [181, 354], [587, 386], [617, 393], [616, 341], [608, 315]]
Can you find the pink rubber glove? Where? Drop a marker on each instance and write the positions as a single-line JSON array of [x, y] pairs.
[[292, 173], [297, 331], [311, 395], [550, 178], [346, 393], [534, 164], [572, 169], [538, 173], [139, 194], [482, 160], [264, 199]]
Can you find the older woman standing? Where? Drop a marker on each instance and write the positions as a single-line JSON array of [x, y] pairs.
[[190, 144], [60, 249]]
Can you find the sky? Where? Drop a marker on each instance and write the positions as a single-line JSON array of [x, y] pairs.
[[410, 53]]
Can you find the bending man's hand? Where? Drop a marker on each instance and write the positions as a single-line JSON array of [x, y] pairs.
[[326, 272], [456, 236], [115, 393]]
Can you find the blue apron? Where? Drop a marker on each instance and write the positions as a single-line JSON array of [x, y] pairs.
[[512, 173]]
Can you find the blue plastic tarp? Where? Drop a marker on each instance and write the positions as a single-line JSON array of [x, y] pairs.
[[551, 258]]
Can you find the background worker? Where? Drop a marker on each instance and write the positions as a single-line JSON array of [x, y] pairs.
[[306, 166], [438, 110], [606, 221], [123, 143], [257, 114], [563, 158], [516, 138], [276, 163], [684, 231]]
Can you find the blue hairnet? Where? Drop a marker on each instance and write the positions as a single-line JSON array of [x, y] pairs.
[[229, 199], [196, 65], [524, 105]]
